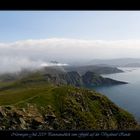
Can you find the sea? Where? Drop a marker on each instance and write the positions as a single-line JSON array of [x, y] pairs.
[[126, 96]]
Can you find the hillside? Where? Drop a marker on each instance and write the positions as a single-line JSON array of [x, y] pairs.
[[98, 69], [48, 107], [58, 101], [91, 79], [57, 76]]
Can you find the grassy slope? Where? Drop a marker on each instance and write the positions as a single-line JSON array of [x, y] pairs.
[[82, 108]]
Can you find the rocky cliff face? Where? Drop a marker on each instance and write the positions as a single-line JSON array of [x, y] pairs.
[[67, 108], [89, 79], [44, 101], [98, 69]]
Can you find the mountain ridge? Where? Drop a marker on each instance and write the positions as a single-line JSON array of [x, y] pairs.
[[117, 62], [41, 101], [89, 79], [62, 75], [63, 108]]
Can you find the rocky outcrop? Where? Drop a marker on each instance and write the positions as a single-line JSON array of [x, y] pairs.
[[91, 79], [74, 109], [98, 69], [59, 76], [15, 118]]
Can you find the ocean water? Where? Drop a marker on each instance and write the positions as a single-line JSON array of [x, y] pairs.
[[126, 96]]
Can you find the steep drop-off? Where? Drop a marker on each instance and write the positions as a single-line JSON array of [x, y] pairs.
[[48, 102], [48, 107], [89, 79]]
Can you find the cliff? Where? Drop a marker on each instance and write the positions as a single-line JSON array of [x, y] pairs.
[[63, 108]]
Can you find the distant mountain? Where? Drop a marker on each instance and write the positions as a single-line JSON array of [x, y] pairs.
[[84, 76], [53, 70], [89, 79], [98, 69], [121, 62], [132, 65], [53, 61]]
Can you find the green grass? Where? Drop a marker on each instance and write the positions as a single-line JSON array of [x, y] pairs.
[[82, 107], [17, 93]]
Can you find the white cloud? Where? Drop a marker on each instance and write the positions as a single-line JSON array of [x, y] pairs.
[[52, 64], [34, 53]]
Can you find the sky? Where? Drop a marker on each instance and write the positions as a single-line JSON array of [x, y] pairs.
[[94, 25], [33, 38]]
